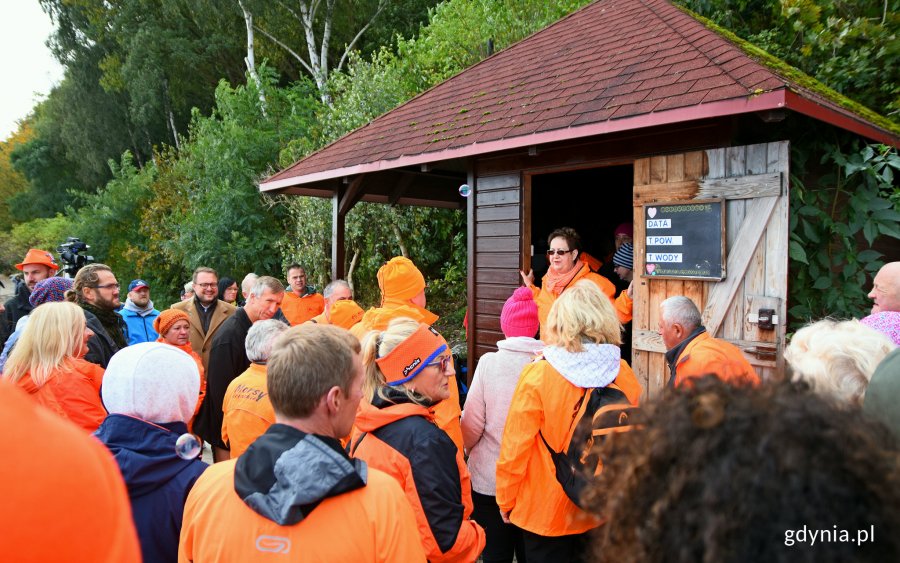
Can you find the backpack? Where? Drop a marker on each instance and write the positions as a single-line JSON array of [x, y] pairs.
[[601, 411]]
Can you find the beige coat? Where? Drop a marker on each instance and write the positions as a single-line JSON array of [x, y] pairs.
[[200, 342]]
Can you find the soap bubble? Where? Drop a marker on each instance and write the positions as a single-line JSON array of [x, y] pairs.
[[465, 190], [187, 446]]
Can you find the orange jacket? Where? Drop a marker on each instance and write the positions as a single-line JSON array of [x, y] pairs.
[[707, 355], [624, 307], [447, 412], [403, 441], [545, 299], [372, 523], [544, 403], [63, 495], [73, 392], [248, 411], [301, 309]]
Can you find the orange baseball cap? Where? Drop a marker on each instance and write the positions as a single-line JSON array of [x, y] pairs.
[[412, 355], [38, 256]]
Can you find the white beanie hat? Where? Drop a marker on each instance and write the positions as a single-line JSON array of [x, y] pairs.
[[152, 381]]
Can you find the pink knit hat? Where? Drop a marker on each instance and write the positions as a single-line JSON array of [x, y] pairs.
[[520, 314]]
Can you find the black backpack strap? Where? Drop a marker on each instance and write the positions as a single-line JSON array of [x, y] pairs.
[[352, 446]]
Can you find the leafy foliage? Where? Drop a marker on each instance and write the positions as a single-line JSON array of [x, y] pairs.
[[835, 220]]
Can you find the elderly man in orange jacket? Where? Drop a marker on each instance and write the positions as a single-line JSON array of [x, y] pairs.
[[403, 295], [692, 352]]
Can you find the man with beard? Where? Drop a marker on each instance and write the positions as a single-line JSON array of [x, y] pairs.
[[37, 265], [228, 358], [97, 292], [206, 312], [139, 313]]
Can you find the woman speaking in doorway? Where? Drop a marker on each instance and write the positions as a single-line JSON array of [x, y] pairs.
[[566, 268]]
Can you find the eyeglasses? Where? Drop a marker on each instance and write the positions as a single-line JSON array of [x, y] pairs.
[[206, 285], [558, 252], [107, 286], [443, 363]]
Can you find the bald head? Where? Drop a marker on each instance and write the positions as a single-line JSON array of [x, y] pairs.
[[886, 289]]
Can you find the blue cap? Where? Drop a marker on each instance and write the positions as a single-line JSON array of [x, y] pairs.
[[137, 284]]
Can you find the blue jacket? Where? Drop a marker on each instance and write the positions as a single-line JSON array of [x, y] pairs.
[[158, 480], [140, 328]]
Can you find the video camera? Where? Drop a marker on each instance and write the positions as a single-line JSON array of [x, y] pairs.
[[69, 255]]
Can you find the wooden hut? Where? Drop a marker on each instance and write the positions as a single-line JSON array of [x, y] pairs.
[[622, 104]]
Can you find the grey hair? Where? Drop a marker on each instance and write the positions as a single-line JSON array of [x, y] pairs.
[[329, 289], [680, 310], [247, 283], [189, 286], [266, 282], [260, 338]]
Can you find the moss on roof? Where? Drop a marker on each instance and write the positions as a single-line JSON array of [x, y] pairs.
[[795, 76]]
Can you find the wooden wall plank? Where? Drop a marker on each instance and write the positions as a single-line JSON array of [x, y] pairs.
[[499, 213], [641, 171], [695, 165], [497, 244], [498, 229], [715, 159], [640, 313], [498, 197], [731, 323], [505, 277], [487, 322], [489, 291], [499, 182], [675, 191], [757, 156], [675, 167], [735, 160], [741, 187], [498, 260], [657, 169]]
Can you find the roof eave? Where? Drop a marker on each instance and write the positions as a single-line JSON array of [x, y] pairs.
[[845, 120]]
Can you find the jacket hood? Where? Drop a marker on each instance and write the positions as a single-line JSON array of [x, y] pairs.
[[379, 413], [596, 366], [144, 451], [378, 318], [521, 344], [286, 473], [139, 311]]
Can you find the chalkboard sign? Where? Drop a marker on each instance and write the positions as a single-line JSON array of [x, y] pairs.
[[685, 240]]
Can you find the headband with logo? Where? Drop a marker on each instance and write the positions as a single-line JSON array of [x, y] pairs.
[[412, 355]]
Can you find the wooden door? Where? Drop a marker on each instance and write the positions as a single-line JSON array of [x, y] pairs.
[[753, 179]]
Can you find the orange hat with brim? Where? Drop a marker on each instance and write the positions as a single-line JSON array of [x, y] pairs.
[[412, 355], [40, 257], [345, 313]]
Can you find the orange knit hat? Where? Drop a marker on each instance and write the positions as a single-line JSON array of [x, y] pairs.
[[345, 313], [38, 256], [400, 279], [412, 355], [167, 318]]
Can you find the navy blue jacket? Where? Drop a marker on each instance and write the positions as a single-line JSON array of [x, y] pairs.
[[158, 480]]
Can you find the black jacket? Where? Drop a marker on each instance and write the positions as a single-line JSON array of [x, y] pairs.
[[101, 346], [227, 360], [16, 307]]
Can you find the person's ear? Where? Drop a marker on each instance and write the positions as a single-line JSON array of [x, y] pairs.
[[333, 399]]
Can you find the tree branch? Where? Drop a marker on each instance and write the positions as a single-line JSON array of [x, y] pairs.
[[285, 47], [352, 44]]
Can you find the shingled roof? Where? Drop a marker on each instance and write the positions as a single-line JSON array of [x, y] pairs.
[[614, 65]]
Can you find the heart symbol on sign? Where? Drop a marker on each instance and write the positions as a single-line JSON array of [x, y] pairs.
[[651, 212], [651, 268]]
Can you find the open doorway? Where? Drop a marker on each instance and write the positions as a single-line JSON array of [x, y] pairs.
[[592, 201]]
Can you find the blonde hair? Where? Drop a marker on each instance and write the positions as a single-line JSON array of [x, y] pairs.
[[380, 343], [582, 313], [837, 358], [54, 333]]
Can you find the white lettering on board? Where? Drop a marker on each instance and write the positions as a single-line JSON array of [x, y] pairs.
[[659, 223], [663, 257], [664, 241]]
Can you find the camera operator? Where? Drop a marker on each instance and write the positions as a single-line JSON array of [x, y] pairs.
[[37, 265]]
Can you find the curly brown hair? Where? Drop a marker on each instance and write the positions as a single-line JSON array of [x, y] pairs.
[[725, 473]]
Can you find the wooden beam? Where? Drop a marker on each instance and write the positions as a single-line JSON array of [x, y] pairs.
[[352, 194], [337, 234], [741, 187], [400, 188]]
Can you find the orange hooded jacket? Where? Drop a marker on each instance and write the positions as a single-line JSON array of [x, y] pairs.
[[545, 298], [447, 412], [64, 496], [296, 497], [402, 440], [707, 355], [543, 403], [72, 391]]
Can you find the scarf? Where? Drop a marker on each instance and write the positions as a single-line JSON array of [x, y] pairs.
[[110, 321], [556, 283]]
